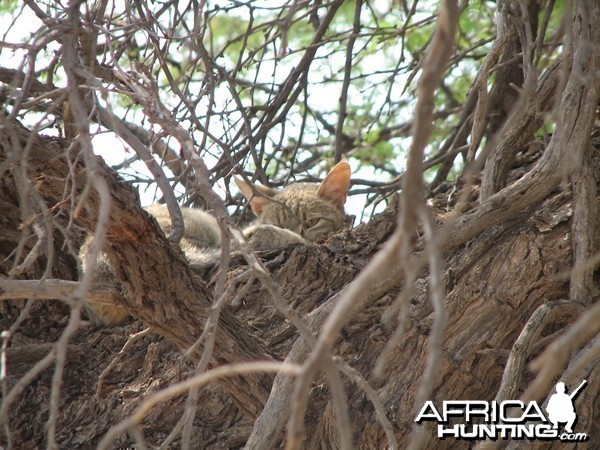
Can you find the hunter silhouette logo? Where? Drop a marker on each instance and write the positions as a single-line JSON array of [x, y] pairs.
[[507, 419], [560, 406]]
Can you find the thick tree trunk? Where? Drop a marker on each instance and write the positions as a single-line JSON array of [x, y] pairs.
[[499, 281], [496, 284], [158, 285], [520, 274]]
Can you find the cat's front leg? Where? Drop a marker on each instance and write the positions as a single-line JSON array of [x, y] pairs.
[[264, 237]]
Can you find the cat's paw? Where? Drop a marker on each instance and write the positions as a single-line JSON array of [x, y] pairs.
[[264, 237]]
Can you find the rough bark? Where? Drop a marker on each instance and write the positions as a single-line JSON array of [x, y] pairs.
[[489, 302], [521, 280], [145, 262]]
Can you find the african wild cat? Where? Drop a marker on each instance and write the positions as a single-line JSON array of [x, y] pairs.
[[298, 213]]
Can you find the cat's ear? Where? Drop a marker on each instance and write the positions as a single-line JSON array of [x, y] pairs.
[[257, 203], [336, 184]]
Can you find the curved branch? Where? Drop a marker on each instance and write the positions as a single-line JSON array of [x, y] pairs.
[[147, 266]]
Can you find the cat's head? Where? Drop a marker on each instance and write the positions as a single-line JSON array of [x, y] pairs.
[[311, 210]]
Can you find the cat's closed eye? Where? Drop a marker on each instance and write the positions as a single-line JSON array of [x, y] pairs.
[[310, 223]]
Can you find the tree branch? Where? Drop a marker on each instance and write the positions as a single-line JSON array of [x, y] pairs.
[[147, 266]]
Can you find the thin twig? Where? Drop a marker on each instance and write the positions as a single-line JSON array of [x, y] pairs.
[[181, 387], [554, 359], [132, 340]]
